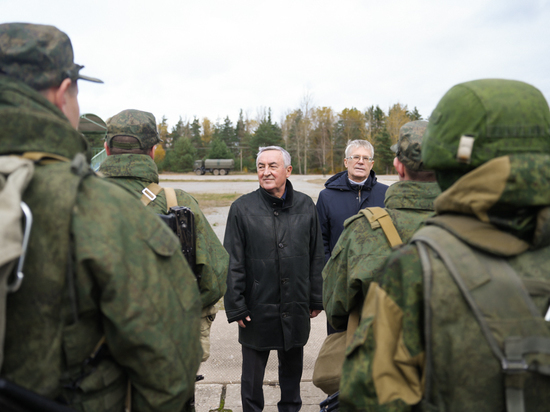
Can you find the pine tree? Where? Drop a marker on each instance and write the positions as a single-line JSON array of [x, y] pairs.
[[218, 150], [383, 154]]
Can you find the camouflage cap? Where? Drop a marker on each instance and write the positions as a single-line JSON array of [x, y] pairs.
[[38, 55], [477, 121], [134, 123], [408, 147]]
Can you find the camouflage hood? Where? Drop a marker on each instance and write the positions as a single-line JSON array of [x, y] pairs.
[[136, 166], [510, 192], [30, 123]]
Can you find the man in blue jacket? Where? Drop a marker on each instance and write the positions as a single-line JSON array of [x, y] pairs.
[[348, 192]]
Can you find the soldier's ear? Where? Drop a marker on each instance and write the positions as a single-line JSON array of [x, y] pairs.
[[59, 94], [399, 167]]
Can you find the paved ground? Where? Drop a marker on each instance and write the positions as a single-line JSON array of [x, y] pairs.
[[221, 387], [222, 371]]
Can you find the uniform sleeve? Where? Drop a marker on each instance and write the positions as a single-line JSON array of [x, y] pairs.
[[212, 260], [324, 223], [235, 244], [317, 261], [145, 292], [385, 359]]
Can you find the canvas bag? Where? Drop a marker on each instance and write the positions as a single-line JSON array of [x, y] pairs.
[[15, 175], [328, 366]]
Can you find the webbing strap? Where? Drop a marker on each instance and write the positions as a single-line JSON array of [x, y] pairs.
[[480, 275], [381, 216], [171, 199], [150, 193], [44, 157]]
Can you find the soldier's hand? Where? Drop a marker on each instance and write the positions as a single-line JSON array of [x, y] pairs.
[[241, 322], [314, 313]]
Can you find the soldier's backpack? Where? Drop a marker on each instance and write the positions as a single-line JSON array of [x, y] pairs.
[[15, 227], [517, 334], [15, 224]]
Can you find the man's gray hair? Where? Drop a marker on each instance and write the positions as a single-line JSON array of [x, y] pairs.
[[286, 155], [354, 144]]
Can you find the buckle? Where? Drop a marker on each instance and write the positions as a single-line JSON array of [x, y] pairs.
[[148, 194], [514, 366]]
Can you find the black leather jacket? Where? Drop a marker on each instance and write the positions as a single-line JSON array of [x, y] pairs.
[[276, 259]]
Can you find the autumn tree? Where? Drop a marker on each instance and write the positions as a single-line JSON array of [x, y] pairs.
[[207, 131], [375, 119], [160, 154], [323, 119], [397, 117]]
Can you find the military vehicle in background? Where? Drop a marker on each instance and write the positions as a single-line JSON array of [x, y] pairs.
[[214, 166]]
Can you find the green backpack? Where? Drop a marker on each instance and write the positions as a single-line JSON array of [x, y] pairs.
[[511, 324], [15, 174]]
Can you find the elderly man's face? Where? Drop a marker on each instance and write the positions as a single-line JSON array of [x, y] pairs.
[[359, 170], [272, 172]]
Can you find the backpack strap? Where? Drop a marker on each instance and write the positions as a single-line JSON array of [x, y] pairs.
[[379, 217], [150, 193], [171, 199], [481, 277]]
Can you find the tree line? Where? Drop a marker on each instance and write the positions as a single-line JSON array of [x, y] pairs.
[[315, 137]]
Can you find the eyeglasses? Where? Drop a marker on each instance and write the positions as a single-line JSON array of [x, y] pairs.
[[356, 158]]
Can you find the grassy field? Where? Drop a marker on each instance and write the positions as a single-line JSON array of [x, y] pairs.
[[210, 200]]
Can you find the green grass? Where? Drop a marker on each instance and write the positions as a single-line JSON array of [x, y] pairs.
[[209, 200]]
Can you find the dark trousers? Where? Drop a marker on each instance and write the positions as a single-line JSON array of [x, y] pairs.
[[290, 374]]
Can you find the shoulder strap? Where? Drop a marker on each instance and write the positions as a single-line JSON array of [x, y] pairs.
[[379, 217], [150, 193], [171, 199], [480, 277]]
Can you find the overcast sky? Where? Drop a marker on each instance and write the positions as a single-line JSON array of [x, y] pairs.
[[212, 58]]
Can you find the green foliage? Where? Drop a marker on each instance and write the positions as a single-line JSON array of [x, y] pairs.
[[383, 154], [181, 157], [218, 150], [267, 134], [414, 115]]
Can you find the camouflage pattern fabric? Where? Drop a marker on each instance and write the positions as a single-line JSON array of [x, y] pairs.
[[134, 123], [408, 148], [501, 116], [132, 284], [38, 55], [466, 375], [361, 251], [134, 173]]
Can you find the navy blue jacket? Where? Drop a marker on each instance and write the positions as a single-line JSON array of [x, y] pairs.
[[341, 200]]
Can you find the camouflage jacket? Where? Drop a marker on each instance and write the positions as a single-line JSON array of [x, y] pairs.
[[502, 209], [131, 283], [134, 173], [361, 251]]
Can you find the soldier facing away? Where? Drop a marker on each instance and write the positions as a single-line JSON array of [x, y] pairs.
[[456, 321], [99, 267], [130, 144], [363, 246]]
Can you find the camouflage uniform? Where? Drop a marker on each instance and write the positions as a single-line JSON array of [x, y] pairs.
[[131, 283], [361, 250], [134, 172], [496, 198]]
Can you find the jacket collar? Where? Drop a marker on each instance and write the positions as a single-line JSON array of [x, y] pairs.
[[30, 123], [130, 165], [340, 181], [276, 202]]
